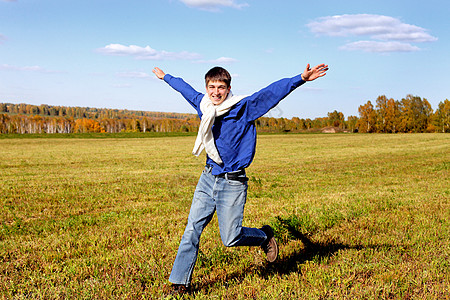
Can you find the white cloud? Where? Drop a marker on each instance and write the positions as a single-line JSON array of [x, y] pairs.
[[380, 47], [393, 33], [26, 68], [122, 85], [219, 61], [134, 74], [146, 53], [213, 5]]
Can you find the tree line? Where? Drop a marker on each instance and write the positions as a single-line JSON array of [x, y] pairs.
[[85, 112], [411, 114]]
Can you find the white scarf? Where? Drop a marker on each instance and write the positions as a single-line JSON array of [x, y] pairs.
[[205, 138]]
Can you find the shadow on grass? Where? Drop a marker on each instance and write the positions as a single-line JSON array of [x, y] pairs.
[[316, 251], [311, 251]]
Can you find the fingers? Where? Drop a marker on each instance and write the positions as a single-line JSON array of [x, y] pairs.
[[158, 72], [318, 68], [313, 73], [321, 69]]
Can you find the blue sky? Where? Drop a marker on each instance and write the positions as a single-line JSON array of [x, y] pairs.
[[100, 53]]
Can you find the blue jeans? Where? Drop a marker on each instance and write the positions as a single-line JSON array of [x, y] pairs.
[[212, 194]]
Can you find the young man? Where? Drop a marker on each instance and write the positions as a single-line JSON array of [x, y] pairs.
[[228, 135]]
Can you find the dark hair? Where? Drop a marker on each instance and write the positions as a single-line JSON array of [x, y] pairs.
[[218, 74]]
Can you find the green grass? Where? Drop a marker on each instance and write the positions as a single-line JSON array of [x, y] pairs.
[[356, 216], [94, 135]]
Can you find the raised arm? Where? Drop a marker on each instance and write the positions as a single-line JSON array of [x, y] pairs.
[[314, 73], [178, 84], [261, 102]]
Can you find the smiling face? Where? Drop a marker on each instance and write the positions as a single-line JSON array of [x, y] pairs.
[[217, 91]]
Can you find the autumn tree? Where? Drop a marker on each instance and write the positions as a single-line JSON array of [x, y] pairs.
[[336, 119], [3, 107], [392, 116], [415, 114], [351, 123], [442, 116], [381, 112], [367, 118]]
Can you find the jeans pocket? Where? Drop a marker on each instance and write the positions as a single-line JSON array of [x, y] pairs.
[[207, 169]]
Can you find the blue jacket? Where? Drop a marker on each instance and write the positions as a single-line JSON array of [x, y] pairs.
[[235, 132]]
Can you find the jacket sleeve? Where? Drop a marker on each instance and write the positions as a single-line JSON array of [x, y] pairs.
[[264, 100], [188, 92]]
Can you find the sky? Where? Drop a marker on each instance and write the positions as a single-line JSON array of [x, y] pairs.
[[100, 53]]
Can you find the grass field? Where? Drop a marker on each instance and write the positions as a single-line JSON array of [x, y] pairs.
[[356, 216]]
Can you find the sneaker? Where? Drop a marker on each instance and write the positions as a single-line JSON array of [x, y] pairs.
[[269, 246], [178, 290]]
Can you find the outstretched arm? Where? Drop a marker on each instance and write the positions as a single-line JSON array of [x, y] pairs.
[[159, 73], [178, 84], [314, 73], [261, 102]]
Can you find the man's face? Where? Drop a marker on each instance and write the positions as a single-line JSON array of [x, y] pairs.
[[217, 91]]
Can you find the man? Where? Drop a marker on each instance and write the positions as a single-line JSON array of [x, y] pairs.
[[228, 135]]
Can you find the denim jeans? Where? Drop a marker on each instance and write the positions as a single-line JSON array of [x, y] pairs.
[[227, 198]]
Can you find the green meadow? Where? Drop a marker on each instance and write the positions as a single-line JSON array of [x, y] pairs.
[[357, 216]]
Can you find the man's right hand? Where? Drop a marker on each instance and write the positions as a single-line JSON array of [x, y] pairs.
[[159, 73]]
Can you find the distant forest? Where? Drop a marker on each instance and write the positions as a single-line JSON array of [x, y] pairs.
[[411, 114]]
